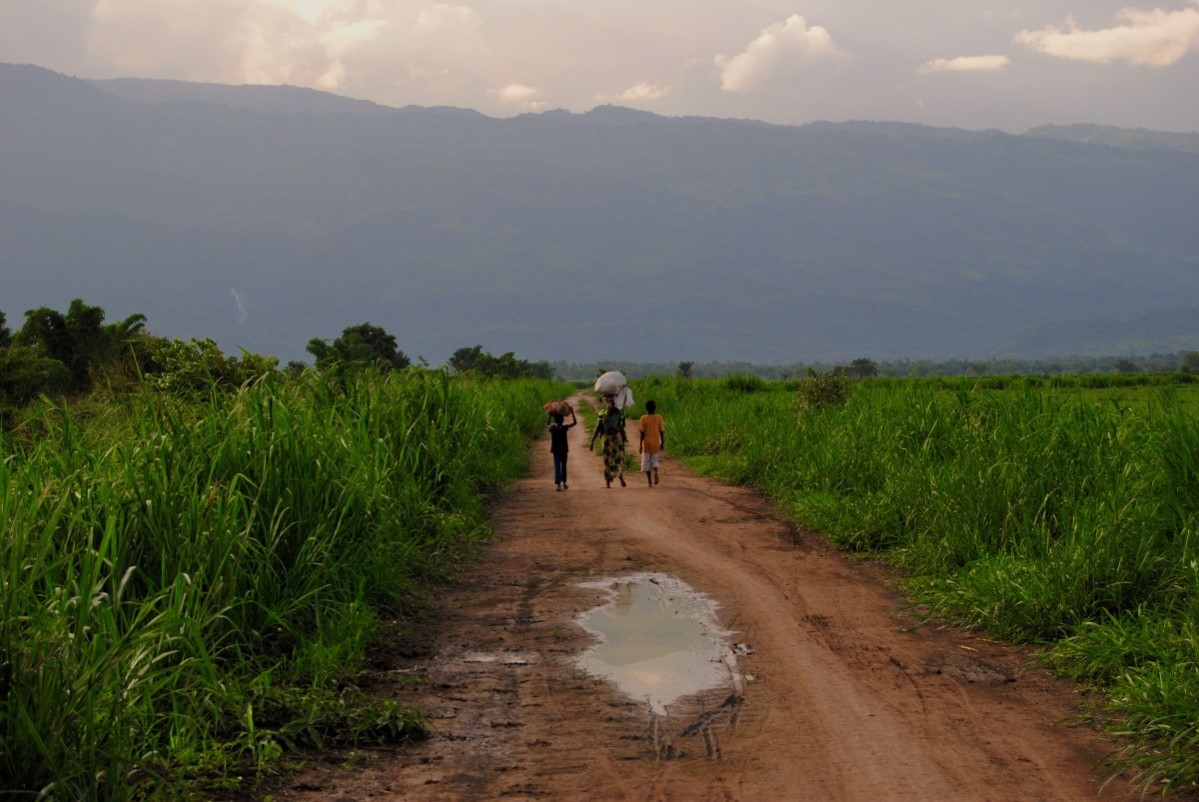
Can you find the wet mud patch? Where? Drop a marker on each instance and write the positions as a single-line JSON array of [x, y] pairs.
[[659, 640]]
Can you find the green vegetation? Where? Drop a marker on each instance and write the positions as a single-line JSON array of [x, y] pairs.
[[478, 362], [67, 355], [364, 344], [189, 585], [1057, 512], [199, 550], [195, 563], [1066, 367]]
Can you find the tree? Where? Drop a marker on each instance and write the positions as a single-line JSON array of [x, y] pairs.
[[863, 368], [79, 339], [1190, 362], [45, 331], [506, 366], [684, 369], [362, 345], [1125, 366], [200, 366], [463, 360], [25, 374], [5, 334]]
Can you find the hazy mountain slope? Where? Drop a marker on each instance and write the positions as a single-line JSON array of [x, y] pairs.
[[1166, 331], [559, 236], [1134, 139], [250, 97], [275, 99]]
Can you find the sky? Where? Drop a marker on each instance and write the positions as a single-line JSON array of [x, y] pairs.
[[971, 64]]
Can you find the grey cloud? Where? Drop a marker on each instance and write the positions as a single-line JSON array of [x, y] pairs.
[[49, 34]]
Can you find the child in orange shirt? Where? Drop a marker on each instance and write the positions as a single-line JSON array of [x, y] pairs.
[[653, 440]]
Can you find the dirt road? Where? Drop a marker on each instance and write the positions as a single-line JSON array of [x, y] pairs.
[[839, 696]]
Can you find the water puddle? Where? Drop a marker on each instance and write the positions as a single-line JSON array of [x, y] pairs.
[[660, 640]]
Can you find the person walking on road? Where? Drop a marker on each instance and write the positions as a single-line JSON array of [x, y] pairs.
[[652, 429], [611, 427], [559, 447]]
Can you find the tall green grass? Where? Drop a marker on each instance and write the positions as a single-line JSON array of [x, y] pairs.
[[1060, 516], [188, 586]]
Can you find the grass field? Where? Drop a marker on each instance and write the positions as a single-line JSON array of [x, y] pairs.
[[1061, 513], [189, 585]]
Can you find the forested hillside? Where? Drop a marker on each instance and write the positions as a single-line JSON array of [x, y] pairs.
[[579, 237]]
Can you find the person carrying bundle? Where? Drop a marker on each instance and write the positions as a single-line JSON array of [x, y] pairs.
[[558, 446], [611, 426]]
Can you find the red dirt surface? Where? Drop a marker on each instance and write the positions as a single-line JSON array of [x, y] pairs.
[[846, 697]]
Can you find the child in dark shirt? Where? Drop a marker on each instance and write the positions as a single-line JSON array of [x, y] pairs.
[[559, 447]]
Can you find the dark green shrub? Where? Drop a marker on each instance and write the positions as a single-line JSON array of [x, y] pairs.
[[743, 383], [820, 390]]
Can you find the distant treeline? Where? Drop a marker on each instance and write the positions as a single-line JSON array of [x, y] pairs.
[[864, 367], [63, 354], [68, 353]]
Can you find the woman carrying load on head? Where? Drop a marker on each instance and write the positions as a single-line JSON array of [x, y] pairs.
[[611, 427]]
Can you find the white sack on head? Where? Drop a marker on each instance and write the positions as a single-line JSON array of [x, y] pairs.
[[624, 398], [610, 383]]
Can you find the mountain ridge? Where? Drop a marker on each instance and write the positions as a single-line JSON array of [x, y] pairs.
[[646, 236]]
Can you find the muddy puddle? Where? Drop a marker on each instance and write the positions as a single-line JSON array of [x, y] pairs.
[[659, 640]]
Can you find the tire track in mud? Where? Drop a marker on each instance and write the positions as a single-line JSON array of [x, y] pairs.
[[842, 696]]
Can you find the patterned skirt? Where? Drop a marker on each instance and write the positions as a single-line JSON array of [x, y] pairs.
[[613, 456]]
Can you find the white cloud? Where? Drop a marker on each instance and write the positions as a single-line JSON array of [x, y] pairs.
[[966, 64], [341, 38], [271, 46], [302, 42], [443, 18], [638, 94], [463, 52], [644, 91], [780, 50], [49, 34], [520, 96], [1155, 38], [339, 42], [313, 11], [171, 38]]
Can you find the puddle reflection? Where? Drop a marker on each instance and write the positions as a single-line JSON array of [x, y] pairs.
[[659, 639]]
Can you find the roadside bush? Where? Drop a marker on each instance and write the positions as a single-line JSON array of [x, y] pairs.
[[744, 383], [199, 366], [823, 389], [25, 374]]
